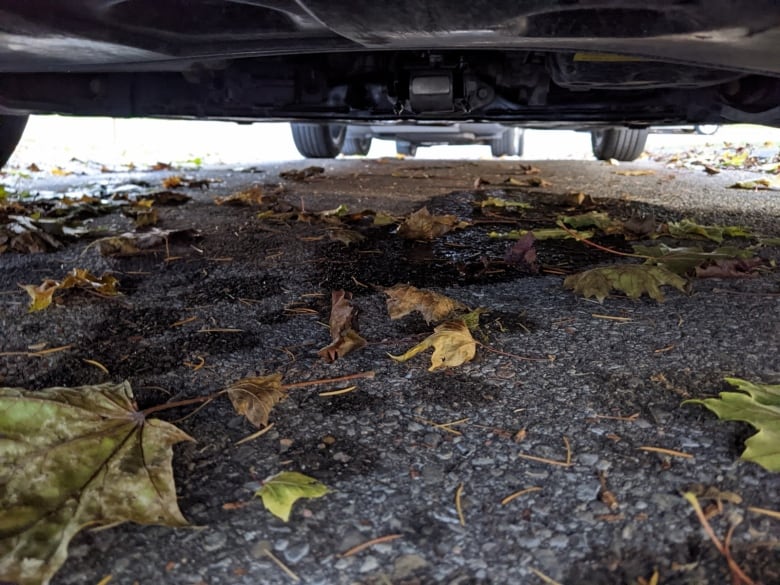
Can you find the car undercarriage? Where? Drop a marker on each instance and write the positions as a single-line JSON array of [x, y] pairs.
[[584, 63]]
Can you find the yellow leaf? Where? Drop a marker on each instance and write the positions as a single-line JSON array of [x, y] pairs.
[[282, 490], [255, 397], [40, 295], [452, 345]]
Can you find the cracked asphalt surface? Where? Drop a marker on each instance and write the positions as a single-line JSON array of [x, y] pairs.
[[619, 375]]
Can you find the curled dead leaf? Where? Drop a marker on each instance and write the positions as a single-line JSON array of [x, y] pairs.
[[255, 397], [403, 299], [421, 225], [344, 335]]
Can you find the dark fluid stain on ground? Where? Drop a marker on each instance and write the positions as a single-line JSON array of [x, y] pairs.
[[462, 257]]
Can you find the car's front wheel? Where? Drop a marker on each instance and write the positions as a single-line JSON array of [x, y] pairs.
[[319, 140], [11, 130], [510, 143], [625, 144]]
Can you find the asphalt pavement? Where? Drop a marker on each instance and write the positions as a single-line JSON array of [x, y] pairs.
[[557, 409]]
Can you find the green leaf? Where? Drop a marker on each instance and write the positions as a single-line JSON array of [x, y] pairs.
[[758, 405], [543, 234], [282, 490], [597, 219], [686, 228], [633, 279], [505, 203], [72, 458], [685, 260]]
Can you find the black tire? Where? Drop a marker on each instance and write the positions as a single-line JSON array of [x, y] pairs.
[[11, 130], [510, 143], [405, 148], [318, 140], [356, 146], [624, 144]]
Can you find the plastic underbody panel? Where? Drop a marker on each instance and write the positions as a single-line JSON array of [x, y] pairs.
[[529, 61]]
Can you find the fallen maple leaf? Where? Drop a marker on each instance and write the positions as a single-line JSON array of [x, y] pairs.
[[42, 295], [255, 195], [421, 225], [597, 219], [452, 345], [769, 183], [632, 279], [504, 203], [686, 228], [73, 458], [131, 243], [635, 173], [172, 181], [688, 260], [403, 299], [281, 491], [255, 397], [758, 405], [543, 234], [342, 329], [301, 174]]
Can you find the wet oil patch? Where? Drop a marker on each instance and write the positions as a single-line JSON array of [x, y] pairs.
[[462, 257]]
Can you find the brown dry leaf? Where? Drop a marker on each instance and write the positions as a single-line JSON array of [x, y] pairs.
[[527, 170], [403, 299], [530, 182], [452, 345], [142, 214], [42, 295], [131, 243], [635, 173], [84, 279], [421, 225], [33, 168], [344, 335], [255, 397], [252, 196], [301, 174], [168, 197], [173, 181]]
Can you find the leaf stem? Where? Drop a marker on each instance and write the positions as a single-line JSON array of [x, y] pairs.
[[179, 403], [367, 374], [587, 242]]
